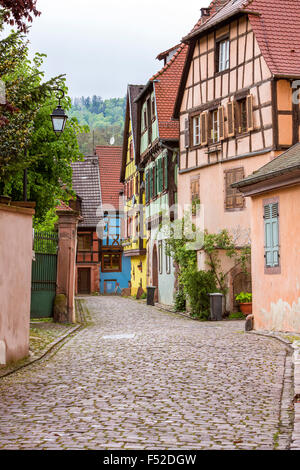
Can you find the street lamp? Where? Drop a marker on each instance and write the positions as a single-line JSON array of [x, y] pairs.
[[59, 119], [58, 116]]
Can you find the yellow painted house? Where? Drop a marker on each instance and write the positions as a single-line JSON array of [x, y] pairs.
[[134, 198]]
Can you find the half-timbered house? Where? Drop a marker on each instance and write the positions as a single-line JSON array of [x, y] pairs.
[[157, 146], [132, 177], [236, 110], [115, 267], [86, 184]]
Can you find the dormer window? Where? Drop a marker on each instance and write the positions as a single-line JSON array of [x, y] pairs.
[[222, 55]]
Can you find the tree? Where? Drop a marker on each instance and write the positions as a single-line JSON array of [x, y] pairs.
[[27, 139], [17, 12], [25, 94]]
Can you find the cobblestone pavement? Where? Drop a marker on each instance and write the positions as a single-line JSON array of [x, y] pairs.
[[139, 378]]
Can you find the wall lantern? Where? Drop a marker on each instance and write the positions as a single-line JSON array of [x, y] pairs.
[[59, 117]]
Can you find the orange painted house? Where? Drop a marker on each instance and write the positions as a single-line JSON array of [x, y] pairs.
[[236, 111], [274, 191]]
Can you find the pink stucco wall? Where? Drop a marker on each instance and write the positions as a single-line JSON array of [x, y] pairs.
[[212, 194], [15, 279], [276, 297]]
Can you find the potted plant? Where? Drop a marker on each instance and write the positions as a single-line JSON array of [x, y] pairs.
[[245, 301]]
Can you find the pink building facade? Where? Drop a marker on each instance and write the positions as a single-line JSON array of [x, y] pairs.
[[274, 194], [16, 243], [236, 114]]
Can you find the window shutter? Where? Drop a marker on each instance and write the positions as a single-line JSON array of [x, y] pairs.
[[221, 123], [166, 171], [203, 130], [250, 123], [155, 179], [234, 199], [151, 183], [271, 219], [230, 119], [147, 186], [186, 133], [160, 175]]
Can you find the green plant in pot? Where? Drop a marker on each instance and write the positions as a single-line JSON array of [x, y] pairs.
[[245, 301]]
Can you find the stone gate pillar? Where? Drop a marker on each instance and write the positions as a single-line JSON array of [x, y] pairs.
[[64, 306]]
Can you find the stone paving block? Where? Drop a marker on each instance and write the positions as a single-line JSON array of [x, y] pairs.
[[161, 381]]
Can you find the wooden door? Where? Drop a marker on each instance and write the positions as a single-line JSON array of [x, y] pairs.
[[84, 281]]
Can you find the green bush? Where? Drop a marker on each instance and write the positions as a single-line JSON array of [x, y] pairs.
[[244, 297], [198, 285], [180, 301]]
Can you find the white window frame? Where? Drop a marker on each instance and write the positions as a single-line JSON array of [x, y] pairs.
[[196, 130], [215, 131], [224, 55]]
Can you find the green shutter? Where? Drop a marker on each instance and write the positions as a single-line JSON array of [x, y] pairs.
[[155, 179], [147, 186], [271, 218], [151, 183], [166, 171], [160, 174]]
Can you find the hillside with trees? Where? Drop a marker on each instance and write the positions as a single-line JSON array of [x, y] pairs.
[[102, 119]]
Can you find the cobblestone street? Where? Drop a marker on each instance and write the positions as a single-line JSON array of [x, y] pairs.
[[139, 378]]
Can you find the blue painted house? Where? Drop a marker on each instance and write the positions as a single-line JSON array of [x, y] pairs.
[[115, 268]]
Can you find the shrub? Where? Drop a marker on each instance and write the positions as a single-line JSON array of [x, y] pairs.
[[198, 285], [180, 301], [244, 297]]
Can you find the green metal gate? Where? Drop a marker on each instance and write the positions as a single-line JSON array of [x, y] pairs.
[[44, 268]]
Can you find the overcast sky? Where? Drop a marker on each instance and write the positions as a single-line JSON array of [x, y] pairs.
[[104, 45]]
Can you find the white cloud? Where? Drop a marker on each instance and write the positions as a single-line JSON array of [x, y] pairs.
[[103, 45]]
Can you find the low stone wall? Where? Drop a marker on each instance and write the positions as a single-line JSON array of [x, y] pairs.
[[15, 281]]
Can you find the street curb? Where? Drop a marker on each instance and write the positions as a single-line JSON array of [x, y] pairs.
[[49, 349], [295, 347]]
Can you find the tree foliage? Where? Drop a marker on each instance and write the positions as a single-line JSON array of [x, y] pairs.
[[193, 284], [18, 12], [105, 118], [26, 136]]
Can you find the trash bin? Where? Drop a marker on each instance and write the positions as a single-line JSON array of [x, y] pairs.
[[150, 295], [216, 306]]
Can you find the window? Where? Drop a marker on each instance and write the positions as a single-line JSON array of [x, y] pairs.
[[131, 150], [85, 242], [129, 227], [242, 110], [196, 130], [186, 133], [271, 222], [215, 126], [222, 51], [111, 262], [145, 120], [233, 198], [137, 185], [244, 107], [153, 109], [160, 257], [168, 261]]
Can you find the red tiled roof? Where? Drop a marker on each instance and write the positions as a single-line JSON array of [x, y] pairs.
[[277, 31], [110, 159], [62, 207], [276, 25], [86, 184], [166, 83]]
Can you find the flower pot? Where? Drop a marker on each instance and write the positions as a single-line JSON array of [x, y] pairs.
[[246, 308]]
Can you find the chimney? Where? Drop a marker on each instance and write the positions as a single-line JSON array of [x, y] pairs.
[[205, 12]]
